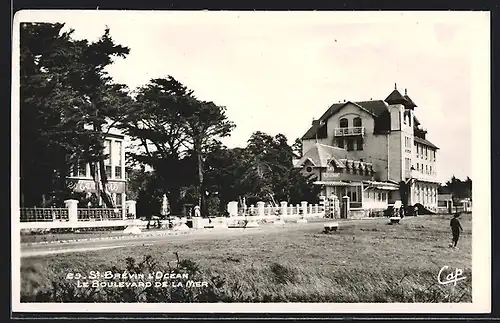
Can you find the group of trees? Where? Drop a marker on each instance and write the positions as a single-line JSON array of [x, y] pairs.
[[457, 188], [69, 102]]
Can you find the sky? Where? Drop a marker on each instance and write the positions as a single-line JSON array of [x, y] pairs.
[[275, 72]]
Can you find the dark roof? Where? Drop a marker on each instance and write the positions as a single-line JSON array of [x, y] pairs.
[[311, 133], [425, 142], [374, 107], [410, 103], [396, 98]]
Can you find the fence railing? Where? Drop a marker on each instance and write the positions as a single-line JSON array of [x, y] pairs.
[[44, 214], [275, 211], [95, 214]]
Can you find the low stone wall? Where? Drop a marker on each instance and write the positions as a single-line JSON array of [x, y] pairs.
[[359, 214], [79, 224]]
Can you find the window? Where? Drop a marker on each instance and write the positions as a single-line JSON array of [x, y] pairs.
[[430, 170], [379, 196], [81, 169], [407, 142], [118, 199], [107, 152], [359, 144], [356, 122], [354, 193], [116, 153], [426, 170], [108, 171], [340, 143], [384, 197], [350, 144], [426, 153], [344, 123], [118, 172]]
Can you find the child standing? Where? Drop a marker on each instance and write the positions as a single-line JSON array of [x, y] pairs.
[[456, 227]]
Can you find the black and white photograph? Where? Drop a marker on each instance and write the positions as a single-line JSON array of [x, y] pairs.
[[230, 161]]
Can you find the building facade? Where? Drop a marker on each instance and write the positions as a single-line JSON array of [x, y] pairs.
[[381, 136], [80, 179]]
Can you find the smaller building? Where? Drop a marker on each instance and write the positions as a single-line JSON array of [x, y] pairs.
[[81, 180], [343, 177]]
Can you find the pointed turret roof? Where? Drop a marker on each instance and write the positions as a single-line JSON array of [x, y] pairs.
[[396, 97], [410, 103]]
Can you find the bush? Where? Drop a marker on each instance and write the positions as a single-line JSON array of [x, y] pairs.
[[276, 282]]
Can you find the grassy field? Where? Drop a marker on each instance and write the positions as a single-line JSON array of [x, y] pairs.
[[365, 262]]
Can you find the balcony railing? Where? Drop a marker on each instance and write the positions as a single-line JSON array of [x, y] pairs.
[[423, 176], [350, 131]]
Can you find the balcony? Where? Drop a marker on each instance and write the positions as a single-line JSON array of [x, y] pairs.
[[417, 175], [349, 131]]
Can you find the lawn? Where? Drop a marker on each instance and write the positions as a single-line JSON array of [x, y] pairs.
[[369, 261]]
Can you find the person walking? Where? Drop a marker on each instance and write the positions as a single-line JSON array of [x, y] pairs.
[[456, 227]]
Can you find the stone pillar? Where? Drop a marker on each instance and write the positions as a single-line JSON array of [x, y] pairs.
[[130, 207], [232, 208], [72, 206], [198, 223], [284, 208], [260, 208], [316, 206], [304, 208], [336, 207]]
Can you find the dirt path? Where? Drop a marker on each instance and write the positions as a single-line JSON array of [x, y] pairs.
[[36, 250]]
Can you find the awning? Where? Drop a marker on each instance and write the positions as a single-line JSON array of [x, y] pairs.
[[336, 183], [382, 185]]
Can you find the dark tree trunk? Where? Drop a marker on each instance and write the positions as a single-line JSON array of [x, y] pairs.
[[174, 197], [105, 195], [101, 183], [199, 161]]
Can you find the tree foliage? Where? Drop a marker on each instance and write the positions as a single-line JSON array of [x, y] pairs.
[[458, 188], [64, 87], [69, 102], [175, 131], [262, 171]]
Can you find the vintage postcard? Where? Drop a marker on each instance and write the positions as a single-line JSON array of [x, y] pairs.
[[259, 162]]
